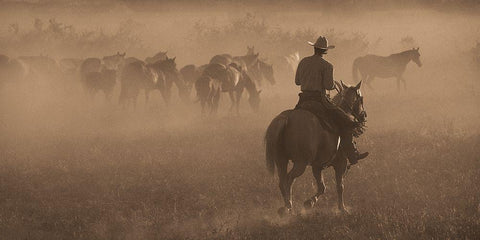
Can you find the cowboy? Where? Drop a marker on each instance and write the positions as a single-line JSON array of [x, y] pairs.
[[315, 76]]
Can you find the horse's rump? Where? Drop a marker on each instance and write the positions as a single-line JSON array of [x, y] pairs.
[[298, 135]]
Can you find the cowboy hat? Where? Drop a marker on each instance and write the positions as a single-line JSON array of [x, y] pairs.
[[321, 43]]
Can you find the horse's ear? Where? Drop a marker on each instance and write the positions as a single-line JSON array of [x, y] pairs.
[[256, 55], [343, 85], [124, 53], [173, 59], [358, 85]]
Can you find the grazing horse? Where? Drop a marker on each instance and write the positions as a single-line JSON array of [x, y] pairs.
[[371, 66], [298, 135], [217, 78], [115, 61]]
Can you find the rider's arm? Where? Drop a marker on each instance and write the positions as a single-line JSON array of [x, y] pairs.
[[328, 83]]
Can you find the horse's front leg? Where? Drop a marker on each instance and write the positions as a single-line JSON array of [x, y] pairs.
[[238, 97], [340, 167], [232, 100], [317, 173], [404, 83]]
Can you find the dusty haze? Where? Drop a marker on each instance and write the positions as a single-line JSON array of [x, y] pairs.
[[72, 167]]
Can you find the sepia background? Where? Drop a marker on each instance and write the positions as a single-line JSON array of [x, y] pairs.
[[72, 167]]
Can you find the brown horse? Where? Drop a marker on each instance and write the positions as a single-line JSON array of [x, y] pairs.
[[371, 66], [298, 135], [217, 78]]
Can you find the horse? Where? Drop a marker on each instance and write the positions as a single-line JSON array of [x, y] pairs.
[[136, 76], [217, 78], [298, 135], [114, 61], [101, 81], [159, 75], [190, 73], [371, 66]]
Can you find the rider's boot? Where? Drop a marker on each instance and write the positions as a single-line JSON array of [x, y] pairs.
[[348, 145]]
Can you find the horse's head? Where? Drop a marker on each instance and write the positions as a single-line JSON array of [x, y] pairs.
[[254, 100], [415, 56], [352, 101], [169, 65], [114, 61]]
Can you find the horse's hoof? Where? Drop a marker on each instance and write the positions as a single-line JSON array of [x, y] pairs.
[[283, 211], [308, 204]]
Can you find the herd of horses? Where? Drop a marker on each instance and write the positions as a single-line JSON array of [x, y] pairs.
[[224, 73]]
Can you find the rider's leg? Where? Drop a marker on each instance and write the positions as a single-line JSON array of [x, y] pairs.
[[347, 144]]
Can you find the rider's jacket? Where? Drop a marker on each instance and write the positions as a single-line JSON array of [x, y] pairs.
[[314, 74]]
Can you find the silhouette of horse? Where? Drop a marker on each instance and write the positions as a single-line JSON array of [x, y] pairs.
[[217, 78], [371, 66], [298, 135]]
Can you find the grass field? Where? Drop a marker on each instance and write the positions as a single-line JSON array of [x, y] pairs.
[[177, 175]]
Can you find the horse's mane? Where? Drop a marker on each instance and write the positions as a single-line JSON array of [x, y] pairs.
[[400, 53]]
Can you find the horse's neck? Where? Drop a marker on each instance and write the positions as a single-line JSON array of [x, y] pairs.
[[403, 57], [249, 84], [339, 101]]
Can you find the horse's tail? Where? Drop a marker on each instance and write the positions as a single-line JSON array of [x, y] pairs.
[[273, 140], [355, 69]]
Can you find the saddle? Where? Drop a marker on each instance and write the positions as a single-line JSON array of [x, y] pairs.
[[321, 107]]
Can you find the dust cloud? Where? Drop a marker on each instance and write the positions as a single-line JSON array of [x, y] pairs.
[[80, 167]]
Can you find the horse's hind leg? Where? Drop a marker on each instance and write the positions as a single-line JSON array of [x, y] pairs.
[[317, 173], [282, 176], [404, 83], [297, 170]]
